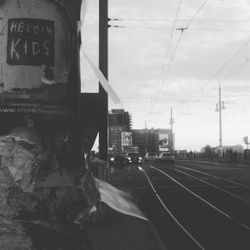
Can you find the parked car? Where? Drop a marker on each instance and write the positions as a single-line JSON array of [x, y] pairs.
[[165, 157], [135, 158], [150, 156]]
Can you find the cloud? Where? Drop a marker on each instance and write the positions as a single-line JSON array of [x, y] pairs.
[[137, 56]]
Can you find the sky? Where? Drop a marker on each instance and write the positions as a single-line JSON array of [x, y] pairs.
[[154, 66]]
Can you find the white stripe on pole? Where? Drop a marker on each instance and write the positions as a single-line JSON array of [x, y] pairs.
[[112, 94], [84, 8]]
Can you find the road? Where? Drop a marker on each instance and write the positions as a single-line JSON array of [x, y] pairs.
[[193, 204]]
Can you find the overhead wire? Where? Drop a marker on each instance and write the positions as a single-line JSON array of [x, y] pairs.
[[236, 70], [225, 64], [166, 53], [182, 30], [197, 12], [181, 34], [230, 2], [169, 43], [176, 47], [179, 39], [194, 28], [215, 29], [177, 20], [173, 56]]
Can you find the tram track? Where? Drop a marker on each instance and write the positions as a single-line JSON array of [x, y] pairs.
[[199, 218], [216, 177], [192, 238], [221, 183], [210, 167]]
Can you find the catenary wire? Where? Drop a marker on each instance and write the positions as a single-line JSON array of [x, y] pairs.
[[225, 64], [193, 28], [178, 20], [236, 70], [179, 39], [197, 12], [161, 76]]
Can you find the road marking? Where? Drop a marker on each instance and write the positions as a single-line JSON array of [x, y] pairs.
[[168, 211]]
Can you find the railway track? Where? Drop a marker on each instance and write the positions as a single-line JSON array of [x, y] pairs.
[[196, 210], [221, 170]]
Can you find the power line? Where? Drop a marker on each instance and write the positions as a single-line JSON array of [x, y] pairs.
[[197, 12], [177, 20], [178, 42], [226, 63], [179, 39], [231, 2], [185, 28], [227, 30], [169, 42], [173, 56], [236, 70], [167, 50]]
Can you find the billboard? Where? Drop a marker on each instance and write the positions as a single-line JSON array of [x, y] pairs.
[[126, 138], [164, 141]]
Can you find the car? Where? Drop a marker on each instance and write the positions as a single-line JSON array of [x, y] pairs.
[[150, 156], [135, 158], [119, 161], [166, 157]]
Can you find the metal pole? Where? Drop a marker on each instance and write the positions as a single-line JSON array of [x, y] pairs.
[[146, 138], [103, 65], [171, 124], [220, 121], [219, 107]]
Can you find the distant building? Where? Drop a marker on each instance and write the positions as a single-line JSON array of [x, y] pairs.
[[119, 128], [147, 140], [120, 118], [122, 139], [153, 140]]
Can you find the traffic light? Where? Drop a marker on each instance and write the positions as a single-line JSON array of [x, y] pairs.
[[245, 139]]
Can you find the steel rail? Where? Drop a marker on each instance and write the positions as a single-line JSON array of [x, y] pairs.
[[217, 177], [212, 185], [202, 199], [168, 211]]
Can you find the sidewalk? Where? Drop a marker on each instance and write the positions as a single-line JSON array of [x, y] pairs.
[[121, 232]]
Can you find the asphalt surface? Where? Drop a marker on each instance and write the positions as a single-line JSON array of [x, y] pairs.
[[121, 232], [117, 231], [196, 205]]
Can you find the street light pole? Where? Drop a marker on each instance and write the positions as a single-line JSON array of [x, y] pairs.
[[219, 107]]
